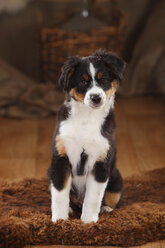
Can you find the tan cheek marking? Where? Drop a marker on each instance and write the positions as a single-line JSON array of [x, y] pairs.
[[99, 75], [111, 199], [85, 76], [113, 89], [60, 146], [79, 97]]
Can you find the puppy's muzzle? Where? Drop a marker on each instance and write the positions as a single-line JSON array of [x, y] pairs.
[[95, 98]]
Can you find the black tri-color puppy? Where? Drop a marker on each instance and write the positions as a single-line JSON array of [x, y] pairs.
[[84, 148]]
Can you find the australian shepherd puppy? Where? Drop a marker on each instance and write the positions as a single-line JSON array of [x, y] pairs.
[[84, 148]]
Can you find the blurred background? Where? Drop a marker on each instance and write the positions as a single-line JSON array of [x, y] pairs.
[[37, 36]]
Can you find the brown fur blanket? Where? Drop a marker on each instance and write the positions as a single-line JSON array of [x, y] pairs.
[[25, 215]]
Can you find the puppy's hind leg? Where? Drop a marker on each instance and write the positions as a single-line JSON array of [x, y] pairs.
[[113, 192]]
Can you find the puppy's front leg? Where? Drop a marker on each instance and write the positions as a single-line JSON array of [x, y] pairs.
[[95, 188], [60, 183]]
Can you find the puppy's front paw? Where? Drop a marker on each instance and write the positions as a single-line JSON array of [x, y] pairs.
[[89, 218], [56, 217]]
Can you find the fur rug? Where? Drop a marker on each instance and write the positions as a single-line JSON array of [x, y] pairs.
[[25, 215]]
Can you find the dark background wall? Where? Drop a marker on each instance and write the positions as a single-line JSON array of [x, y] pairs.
[[19, 30], [19, 39]]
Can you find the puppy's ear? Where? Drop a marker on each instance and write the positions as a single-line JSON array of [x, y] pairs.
[[115, 64], [68, 71]]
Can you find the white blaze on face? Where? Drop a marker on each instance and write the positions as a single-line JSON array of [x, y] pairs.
[[94, 89], [92, 71]]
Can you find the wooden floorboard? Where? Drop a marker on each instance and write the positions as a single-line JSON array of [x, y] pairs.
[[25, 145]]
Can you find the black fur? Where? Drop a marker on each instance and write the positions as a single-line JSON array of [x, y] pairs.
[[81, 165], [72, 63], [100, 171], [115, 183], [115, 65], [58, 171]]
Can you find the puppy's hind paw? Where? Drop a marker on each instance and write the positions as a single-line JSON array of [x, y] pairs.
[[71, 210], [106, 209]]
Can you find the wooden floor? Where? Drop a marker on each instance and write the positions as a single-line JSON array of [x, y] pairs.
[[25, 145]]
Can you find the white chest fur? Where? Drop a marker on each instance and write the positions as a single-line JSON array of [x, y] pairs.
[[82, 132]]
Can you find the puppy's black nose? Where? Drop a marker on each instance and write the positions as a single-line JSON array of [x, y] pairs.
[[95, 98]]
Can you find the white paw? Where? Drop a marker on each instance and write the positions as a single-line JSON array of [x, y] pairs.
[[106, 209], [55, 218], [89, 218]]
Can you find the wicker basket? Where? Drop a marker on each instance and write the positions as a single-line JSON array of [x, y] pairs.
[[56, 45]]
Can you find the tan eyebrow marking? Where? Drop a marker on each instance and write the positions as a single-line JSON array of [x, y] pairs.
[[99, 75], [85, 76]]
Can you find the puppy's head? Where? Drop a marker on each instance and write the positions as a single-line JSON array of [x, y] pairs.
[[92, 80]]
